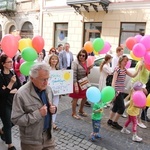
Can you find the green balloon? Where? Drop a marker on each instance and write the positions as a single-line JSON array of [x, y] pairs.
[[29, 54], [98, 44], [25, 67], [107, 94]]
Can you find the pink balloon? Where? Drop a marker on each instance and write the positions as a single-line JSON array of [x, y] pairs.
[[147, 58], [139, 50], [106, 48], [139, 99], [145, 40], [9, 45], [128, 64], [90, 60], [38, 43], [138, 37], [22, 60]]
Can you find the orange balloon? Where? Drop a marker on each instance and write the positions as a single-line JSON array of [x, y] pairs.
[[134, 57], [88, 47]]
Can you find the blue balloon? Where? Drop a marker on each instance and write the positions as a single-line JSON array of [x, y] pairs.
[[93, 94]]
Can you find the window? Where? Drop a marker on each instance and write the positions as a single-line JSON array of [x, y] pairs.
[[92, 30], [130, 30], [27, 30], [61, 33], [11, 29]]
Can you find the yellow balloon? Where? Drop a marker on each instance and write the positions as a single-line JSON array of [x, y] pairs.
[[23, 43], [66, 75], [134, 57], [95, 53], [148, 101]]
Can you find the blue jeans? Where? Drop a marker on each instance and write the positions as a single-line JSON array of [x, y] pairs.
[[96, 126]]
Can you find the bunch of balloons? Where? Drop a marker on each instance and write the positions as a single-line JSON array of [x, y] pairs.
[[139, 47], [94, 95], [29, 49], [98, 46]]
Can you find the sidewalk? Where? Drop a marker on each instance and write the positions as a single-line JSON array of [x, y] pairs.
[[74, 134]]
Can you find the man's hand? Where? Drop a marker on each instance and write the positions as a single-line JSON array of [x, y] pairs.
[[43, 110], [52, 108]]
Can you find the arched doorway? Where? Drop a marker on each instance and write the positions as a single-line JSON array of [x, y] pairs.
[[11, 29], [27, 30]]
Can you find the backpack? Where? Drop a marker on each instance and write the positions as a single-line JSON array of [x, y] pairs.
[[109, 79]]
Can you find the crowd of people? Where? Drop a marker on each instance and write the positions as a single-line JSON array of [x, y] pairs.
[[28, 101]]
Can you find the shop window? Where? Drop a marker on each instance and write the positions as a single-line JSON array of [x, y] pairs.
[[27, 30], [61, 33], [130, 30], [92, 30]]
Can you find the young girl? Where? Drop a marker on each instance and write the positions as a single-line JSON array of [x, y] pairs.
[[133, 112], [96, 120], [53, 62]]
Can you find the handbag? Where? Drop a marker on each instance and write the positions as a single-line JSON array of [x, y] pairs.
[[84, 83]]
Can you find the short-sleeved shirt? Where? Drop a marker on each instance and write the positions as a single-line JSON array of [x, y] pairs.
[[120, 81], [98, 115]]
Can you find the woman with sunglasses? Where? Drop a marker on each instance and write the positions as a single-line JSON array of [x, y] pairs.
[[118, 83], [9, 84], [80, 71]]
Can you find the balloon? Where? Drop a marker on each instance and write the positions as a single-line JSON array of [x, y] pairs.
[[138, 37], [128, 64], [29, 54], [147, 66], [38, 43], [148, 101], [139, 99], [22, 61], [88, 46], [25, 67], [98, 44], [145, 40], [90, 60], [9, 45], [107, 94], [23, 43], [139, 50], [130, 42], [106, 48], [93, 94], [18, 37], [134, 57], [147, 58], [95, 53]]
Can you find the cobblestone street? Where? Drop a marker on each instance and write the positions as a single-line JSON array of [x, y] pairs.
[[74, 134]]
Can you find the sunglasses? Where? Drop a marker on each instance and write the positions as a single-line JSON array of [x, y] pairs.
[[53, 51], [82, 55]]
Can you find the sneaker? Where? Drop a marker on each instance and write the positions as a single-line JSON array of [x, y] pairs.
[[115, 125], [97, 136], [87, 104], [142, 125], [136, 138], [124, 130], [109, 122], [124, 115], [92, 138]]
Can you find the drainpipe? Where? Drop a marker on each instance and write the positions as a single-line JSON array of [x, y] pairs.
[[41, 17]]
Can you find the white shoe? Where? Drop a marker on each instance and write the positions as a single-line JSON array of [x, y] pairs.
[[142, 125], [124, 115], [124, 130], [136, 138]]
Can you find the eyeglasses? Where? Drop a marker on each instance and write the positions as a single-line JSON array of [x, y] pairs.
[[82, 55], [9, 62]]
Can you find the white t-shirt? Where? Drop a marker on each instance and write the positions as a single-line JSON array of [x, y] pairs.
[[115, 60], [68, 59]]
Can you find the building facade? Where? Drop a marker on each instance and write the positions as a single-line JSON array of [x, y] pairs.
[[78, 21]]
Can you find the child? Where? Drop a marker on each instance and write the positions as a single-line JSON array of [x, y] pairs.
[[96, 120], [133, 112]]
